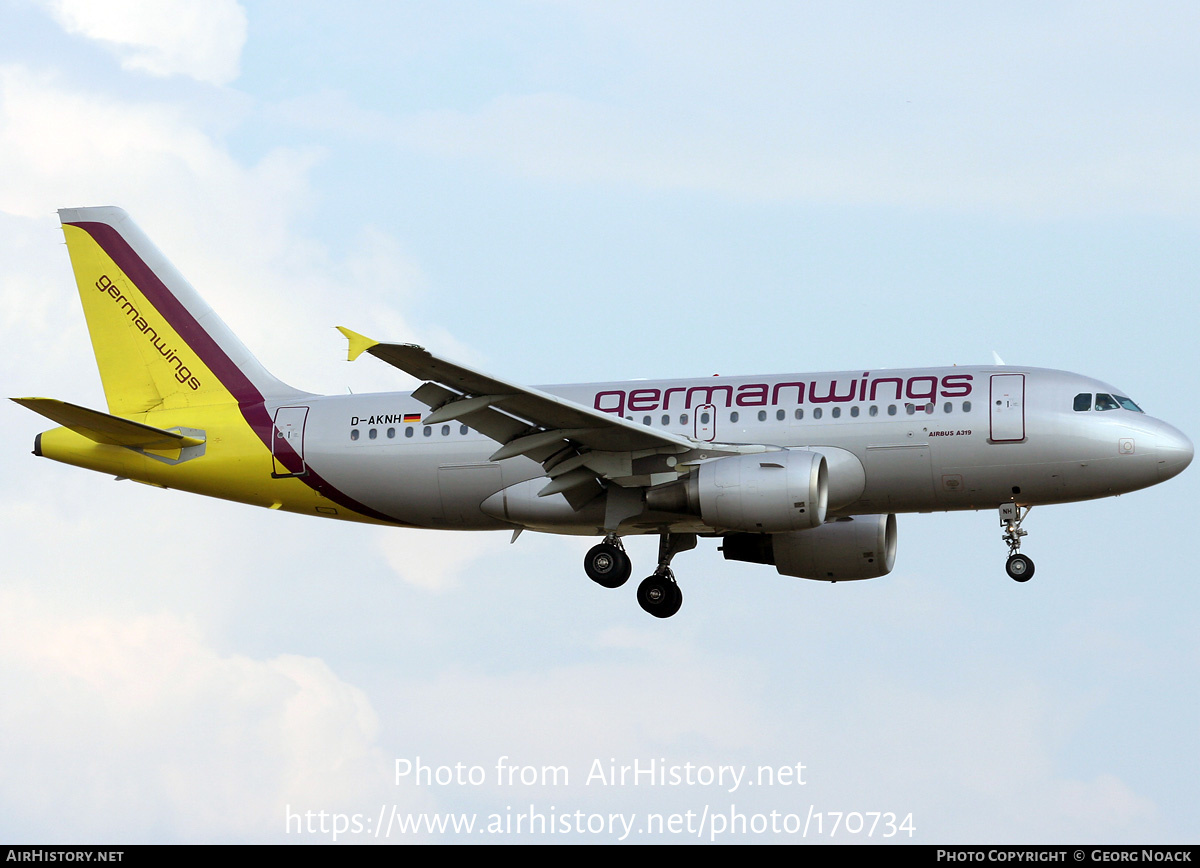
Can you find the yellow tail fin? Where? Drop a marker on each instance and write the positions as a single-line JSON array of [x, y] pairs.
[[157, 344]]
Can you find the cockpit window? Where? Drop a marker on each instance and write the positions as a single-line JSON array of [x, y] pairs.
[[1083, 401]]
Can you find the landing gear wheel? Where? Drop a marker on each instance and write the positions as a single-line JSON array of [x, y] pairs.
[[660, 596], [607, 565], [1019, 568], [674, 607]]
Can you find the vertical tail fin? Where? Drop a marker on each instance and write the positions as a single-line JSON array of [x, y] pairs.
[[157, 343]]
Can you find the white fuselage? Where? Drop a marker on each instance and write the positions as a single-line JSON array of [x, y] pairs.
[[897, 441]]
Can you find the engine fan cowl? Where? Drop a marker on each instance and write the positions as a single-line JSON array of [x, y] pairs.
[[862, 547], [768, 492]]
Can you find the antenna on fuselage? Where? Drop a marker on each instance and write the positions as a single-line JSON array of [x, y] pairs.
[[996, 358]]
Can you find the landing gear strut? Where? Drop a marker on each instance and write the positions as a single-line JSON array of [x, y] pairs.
[[607, 564], [659, 594], [1019, 567]]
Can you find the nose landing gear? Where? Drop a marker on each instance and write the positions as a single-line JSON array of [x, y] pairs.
[[1019, 567]]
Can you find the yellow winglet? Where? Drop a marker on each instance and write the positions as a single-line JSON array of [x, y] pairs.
[[358, 343]]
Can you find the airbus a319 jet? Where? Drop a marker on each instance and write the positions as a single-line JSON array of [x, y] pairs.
[[805, 472]]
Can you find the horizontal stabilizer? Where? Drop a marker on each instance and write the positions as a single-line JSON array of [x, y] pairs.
[[103, 428]]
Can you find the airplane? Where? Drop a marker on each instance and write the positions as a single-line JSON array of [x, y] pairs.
[[805, 472]]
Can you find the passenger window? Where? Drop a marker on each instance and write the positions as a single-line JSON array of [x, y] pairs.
[[427, 431], [445, 430], [762, 415], [408, 432], [463, 429], [854, 411], [1083, 401], [800, 413], [891, 409], [817, 413], [779, 414], [666, 420], [703, 418], [1106, 402], [837, 412], [391, 433], [874, 411], [910, 409], [947, 407], [733, 417], [372, 433], [683, 417], [966, 406], [645, 420], [353, 433]]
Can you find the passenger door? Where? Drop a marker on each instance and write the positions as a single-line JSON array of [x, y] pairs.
[[1007, 408], [287, 438], [706, 422]]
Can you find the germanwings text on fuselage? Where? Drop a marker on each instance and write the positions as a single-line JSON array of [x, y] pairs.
[[649, 399]]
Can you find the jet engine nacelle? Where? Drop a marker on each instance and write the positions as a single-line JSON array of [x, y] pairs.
[[764, 492], [768, 492], [862, 547]]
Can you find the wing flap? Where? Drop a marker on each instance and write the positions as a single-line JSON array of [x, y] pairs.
[[486, 420], [530, 444], [459, 407]]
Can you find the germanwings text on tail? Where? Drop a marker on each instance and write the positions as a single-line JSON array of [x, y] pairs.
[[804, 472]]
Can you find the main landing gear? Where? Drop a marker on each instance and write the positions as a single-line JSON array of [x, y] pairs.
[[608, 565], [1019, 567]]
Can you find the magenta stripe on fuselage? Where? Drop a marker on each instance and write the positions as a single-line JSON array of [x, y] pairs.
[[250, 399]]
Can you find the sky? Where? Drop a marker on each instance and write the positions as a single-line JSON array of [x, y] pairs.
[[582, 191]]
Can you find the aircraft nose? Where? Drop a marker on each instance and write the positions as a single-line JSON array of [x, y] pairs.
[[1175, 452]]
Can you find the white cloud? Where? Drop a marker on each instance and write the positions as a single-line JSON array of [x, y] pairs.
[[136, 728], [1099, 807], [975, 764], [1032, 111], [227, 226], [1059, 111], [815, 153], [202, 39], [433, 559], [65, 147]]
